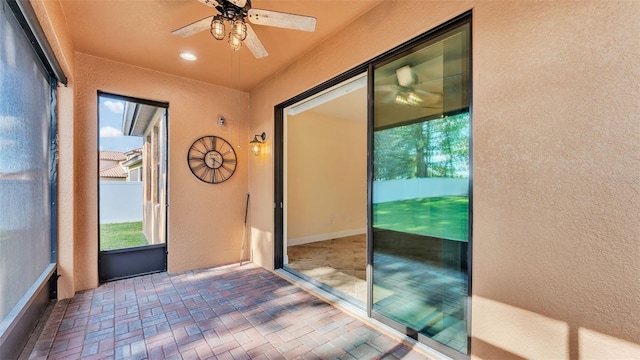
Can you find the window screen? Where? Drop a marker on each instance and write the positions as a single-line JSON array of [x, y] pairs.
[[134, 175], [25, 122]]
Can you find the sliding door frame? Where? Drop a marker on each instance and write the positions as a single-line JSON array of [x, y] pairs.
[[368, 68], [402, 50], [278, 137]]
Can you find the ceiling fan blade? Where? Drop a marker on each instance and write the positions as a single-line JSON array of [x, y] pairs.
[[428, 93], [282, 20], [254, 44], [211, 3], [389, 98], [436, 85], [387, 87], [238, 3], [193, 28]]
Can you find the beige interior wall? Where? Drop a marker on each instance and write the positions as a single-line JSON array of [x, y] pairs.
[[327, 175], [204, 220], [556, 241]]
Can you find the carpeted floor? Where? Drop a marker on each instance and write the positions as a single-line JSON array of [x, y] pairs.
[[340, 263]]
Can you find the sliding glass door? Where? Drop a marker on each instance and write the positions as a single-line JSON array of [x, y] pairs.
[[421, 191], [418, 187]]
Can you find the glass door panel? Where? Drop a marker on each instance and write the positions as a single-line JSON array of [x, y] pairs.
[[420, 190], [132, 186]]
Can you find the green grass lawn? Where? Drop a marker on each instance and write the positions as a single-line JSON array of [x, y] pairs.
[[444, 217], [121, 235]]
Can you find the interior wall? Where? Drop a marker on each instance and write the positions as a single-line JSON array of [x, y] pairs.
[[327, 172], [205, 221], [556, 166]]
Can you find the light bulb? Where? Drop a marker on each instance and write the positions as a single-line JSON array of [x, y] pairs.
[[234, 41], [413, 99], [255, 149], [217, 28], [239, 28]]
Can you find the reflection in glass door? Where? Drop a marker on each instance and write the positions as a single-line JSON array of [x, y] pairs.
[[420, 191]]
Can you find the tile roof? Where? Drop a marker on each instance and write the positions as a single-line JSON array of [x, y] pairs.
[[115, 171], [112, 155], [132, 151]]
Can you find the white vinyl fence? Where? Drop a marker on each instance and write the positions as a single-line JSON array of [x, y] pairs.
[[120, 201], [395, 190]]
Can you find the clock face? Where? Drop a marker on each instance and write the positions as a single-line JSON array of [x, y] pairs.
[[212, 159]]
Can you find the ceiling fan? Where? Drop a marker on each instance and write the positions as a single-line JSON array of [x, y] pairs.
[[235, 13], [405, 91]]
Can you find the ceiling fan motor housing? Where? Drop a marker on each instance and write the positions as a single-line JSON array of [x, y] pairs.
[[231, 11], [406, 76]]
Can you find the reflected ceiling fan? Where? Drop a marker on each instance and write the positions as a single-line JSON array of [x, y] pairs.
[[235, 14], [406, 91]]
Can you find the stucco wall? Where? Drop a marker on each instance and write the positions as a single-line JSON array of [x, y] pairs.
[[556, 241], [205, 221]]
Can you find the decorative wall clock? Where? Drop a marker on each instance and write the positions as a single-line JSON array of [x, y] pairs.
[[212, 159]]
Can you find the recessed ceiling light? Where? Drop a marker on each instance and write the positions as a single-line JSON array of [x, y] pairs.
[[188, 56]]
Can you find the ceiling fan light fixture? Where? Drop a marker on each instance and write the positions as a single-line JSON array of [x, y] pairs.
[[235, 42], [239, 28], [236, 13], [217, 27], [413, 98], [408, 98]]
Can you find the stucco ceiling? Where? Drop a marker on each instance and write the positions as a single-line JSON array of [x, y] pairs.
[[139, 33]]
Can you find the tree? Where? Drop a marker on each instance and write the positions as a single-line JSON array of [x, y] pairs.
[[433, 148]]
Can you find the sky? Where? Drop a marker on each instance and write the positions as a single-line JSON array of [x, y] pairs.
[[111, 115]]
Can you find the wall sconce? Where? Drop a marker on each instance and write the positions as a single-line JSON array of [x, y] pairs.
[[256, 144]]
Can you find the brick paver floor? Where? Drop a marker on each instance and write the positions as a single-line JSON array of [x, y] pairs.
[[233, 312]]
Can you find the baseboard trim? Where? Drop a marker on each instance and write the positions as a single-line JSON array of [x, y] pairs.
[[323, 237]]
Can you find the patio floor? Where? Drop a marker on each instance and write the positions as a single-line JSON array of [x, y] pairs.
[[232, 312]]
